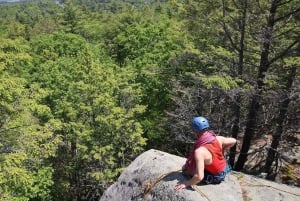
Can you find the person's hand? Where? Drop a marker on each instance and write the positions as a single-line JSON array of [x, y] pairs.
[[180, 186]]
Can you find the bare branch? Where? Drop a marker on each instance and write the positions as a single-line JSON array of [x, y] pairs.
[[283, 53], [227, 32], [284, 33], [287, 15], [284, 3]]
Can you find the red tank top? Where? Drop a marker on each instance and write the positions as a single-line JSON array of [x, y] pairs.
[[218, 161]]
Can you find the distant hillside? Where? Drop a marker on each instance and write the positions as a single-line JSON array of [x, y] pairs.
[[15, 1], [9, 1]]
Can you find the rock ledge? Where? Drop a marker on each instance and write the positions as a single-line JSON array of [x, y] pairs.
[[152, 164]]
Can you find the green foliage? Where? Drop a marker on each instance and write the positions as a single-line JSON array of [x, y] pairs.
[[70, 17], [224, 82], [146, 42], [97, 103], [56, 45], [24, 144], [288, 174], [13, 55], [132, 38], [26, 19], [19, 181], [86, 85]]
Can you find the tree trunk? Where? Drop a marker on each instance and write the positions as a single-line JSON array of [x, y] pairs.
[[272, 153], [235, 128], [254, 105], [74, 176], [236, 107]]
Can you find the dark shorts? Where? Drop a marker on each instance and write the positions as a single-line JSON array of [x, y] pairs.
[[215, 178]]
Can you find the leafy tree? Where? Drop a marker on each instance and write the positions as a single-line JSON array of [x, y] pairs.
[[30, 18], [272, 153], [70, 17], [95, 79], [233, 50], [97, 105], [27, 137], [144, 41], [209, 58], [287, 42]]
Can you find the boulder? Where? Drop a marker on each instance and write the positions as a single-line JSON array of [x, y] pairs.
[[154, 174]]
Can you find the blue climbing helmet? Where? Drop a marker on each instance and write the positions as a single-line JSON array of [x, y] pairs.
[[200, 123]]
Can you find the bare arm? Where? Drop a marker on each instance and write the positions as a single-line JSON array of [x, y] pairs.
[[227, 142], [199, 173]]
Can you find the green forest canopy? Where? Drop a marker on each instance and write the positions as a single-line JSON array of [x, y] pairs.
[[86, 86]]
